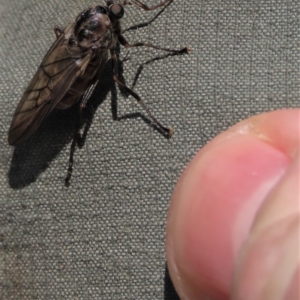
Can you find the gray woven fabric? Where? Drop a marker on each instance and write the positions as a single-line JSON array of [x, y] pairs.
[[103, 237]]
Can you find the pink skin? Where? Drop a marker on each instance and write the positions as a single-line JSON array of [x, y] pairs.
[[233, 228]]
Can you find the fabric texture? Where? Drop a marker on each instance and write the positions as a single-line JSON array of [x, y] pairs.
[[103, 237]]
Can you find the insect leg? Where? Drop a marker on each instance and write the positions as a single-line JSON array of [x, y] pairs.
[[58, 31], [124, 42], [114, 58], [145, 7], [76, 136]]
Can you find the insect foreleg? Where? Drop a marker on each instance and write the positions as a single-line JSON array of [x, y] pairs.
[[124, 42], [114, 58], [58, 31], [144, 6], [77, 135]]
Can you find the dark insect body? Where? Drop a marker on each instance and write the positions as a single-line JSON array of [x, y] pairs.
[[72, 67]]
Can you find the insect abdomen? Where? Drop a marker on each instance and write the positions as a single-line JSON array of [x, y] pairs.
[[82, 83]]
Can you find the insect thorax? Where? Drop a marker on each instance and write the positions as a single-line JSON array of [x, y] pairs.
[[93, 27]]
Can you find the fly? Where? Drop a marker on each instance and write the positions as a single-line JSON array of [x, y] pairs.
[[71, 70]]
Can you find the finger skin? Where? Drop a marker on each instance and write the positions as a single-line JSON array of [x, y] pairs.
[[272, 248], [217, 198]]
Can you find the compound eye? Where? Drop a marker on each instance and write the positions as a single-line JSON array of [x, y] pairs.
[[116, 11]]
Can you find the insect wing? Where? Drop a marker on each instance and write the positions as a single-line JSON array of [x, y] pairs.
[[62, 65]]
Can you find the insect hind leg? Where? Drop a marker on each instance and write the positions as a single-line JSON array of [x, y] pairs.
[[77, 136]]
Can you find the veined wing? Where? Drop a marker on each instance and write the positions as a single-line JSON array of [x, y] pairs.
[[61, 66]]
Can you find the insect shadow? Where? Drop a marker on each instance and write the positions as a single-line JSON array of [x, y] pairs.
[[33, 156]]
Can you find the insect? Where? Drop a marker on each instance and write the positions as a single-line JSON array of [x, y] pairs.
[[72, 67]]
